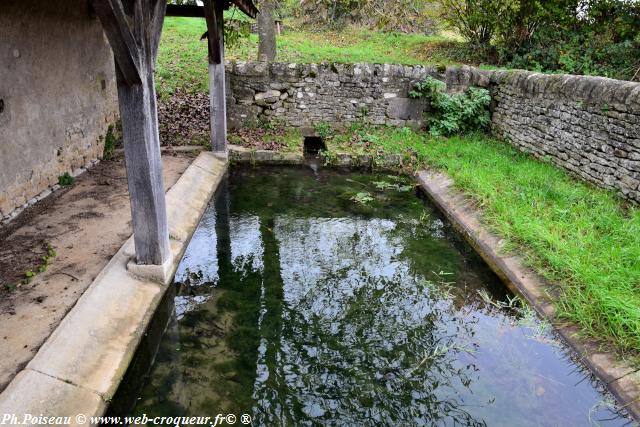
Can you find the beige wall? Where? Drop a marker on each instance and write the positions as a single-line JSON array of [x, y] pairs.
[[58, 89]]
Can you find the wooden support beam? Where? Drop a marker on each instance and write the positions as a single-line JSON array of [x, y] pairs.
[[247, 7], [122, 41], [144, 172], [214, 10], [138, 44], [157, 21], [214, 29]]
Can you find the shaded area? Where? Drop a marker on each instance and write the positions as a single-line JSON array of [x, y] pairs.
[[313, 145], [323, 298]]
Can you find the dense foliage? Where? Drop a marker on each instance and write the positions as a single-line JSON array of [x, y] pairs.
[[407, 16], [452, 114], [575, 36], [594, 37]]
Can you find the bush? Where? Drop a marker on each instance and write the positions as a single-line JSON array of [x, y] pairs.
[[404, 16], [453, 113], [66, 180], [477, 21], [580, 52], [110, 143], [598, 37]]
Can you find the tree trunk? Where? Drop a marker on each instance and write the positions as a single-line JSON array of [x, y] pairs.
[[267, 31]]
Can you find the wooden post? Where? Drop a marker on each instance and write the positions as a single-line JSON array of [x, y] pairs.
[[213, 11], [135, 49]]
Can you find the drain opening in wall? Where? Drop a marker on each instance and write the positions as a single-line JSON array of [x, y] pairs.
[[313, 145]]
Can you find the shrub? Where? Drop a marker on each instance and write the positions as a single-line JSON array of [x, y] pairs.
[[453, 113], [109, 144], [597, 37], [66, 180], [476, 20], [578, 52]]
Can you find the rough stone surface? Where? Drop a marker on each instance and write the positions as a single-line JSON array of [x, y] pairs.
[[57, 92], [589, 126], [302, 95], [238, 154]]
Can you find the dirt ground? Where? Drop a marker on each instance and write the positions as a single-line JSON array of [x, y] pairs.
[[85, 225]]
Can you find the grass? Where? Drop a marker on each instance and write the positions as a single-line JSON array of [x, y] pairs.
[[29, 275], [584, 239], [182, 59], [66, 180], [352, 45]]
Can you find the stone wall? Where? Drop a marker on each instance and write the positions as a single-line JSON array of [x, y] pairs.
[[587, 125], [57, 95], [305, 94]]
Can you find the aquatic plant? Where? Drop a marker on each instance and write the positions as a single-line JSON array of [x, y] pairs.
[[363, 198]]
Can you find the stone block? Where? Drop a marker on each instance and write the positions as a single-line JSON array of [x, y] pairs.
[[38, 394], [406, 108], [268, 97], [242, 115]]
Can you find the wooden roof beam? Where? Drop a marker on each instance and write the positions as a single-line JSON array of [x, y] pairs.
[[193, 11], [247, 7]]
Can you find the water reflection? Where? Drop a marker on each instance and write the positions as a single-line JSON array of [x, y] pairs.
[[364, 339], [312, 309]]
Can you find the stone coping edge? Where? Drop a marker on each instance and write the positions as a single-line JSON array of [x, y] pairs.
[[621, 380], [385, 163], [79, 368]]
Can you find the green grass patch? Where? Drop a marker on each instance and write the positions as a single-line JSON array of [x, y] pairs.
[[584, 239], [353, 45], [182, 58]]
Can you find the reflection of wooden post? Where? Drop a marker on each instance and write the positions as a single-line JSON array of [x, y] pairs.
[[135, 49], [213, 12], [223, 234]]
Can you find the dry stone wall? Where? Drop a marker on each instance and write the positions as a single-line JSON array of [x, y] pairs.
[[306, 94], [589, 126]]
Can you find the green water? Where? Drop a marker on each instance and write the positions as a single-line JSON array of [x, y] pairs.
[[321, 298]]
